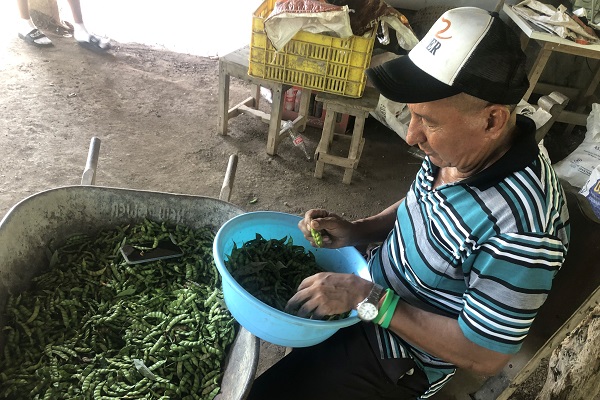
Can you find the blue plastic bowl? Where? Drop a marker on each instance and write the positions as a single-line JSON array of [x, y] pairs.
[[262, 320]]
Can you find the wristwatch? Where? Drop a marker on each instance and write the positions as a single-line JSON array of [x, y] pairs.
[[368, 308]]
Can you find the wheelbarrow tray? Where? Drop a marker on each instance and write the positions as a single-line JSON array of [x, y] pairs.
[[52, 216]]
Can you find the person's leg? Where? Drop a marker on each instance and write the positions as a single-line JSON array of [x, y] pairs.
[[80, 32], [76, 10], [23, 6], [27, 29], [342, 367]]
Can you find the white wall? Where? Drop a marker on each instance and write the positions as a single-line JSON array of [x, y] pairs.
[[199, 27]]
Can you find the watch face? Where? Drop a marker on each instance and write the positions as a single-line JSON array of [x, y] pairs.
[[366, 311]]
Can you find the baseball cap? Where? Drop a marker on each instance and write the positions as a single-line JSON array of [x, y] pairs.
[[468, 50]]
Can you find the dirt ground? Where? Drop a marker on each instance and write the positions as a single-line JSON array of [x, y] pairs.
[[156, 115]]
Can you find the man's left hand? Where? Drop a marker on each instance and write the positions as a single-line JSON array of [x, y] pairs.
[[328, 293]]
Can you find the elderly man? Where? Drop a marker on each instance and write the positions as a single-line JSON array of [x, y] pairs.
[[468, 256]]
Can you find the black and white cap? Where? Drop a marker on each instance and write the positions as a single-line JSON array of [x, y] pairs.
[[466, 50]]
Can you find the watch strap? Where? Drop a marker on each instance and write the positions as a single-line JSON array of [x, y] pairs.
[[375, 294]]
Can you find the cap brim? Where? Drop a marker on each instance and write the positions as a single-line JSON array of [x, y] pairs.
[[400, 80]]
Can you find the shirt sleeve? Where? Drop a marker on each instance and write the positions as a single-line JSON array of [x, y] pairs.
[[509, 280]]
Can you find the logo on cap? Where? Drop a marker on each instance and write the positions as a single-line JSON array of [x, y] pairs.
[[434, 44], [448, 24]]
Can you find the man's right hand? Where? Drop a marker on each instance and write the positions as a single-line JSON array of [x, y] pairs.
[[335, 231]]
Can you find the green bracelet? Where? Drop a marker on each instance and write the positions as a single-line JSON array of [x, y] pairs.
[[390, 312], [384, 306]]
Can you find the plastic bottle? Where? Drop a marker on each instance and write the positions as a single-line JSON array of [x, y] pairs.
[[289, 98], [297, 100], [297, 138]]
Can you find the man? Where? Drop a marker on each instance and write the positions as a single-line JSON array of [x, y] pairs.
[[29, 32], [468, 256]]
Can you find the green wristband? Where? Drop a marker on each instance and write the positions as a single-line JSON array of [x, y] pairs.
[[390, 312], [384, 306]]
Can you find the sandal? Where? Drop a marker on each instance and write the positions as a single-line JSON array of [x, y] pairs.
[[34, 37], [95, 44]]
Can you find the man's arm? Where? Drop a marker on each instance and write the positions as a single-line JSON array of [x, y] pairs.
[[377, 227], [442, 337]]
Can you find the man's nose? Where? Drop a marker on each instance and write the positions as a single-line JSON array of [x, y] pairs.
[[414, 135]]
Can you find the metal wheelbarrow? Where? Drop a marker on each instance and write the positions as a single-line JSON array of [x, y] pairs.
[[56, 214]]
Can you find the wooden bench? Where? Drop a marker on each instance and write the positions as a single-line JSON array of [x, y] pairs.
[[360, 109], [235, 64]]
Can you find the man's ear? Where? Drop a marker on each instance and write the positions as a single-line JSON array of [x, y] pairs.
[[498, 117]]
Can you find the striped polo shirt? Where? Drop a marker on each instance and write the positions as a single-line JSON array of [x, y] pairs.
[[483, 250]]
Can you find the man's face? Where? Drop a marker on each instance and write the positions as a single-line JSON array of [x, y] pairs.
[[452, 132]]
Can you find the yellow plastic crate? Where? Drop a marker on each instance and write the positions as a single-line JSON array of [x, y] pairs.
[[313, 61]]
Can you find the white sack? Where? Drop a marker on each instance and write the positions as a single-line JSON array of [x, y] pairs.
[[577, 167]]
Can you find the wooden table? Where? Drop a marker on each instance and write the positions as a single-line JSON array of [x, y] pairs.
[[553, 43]]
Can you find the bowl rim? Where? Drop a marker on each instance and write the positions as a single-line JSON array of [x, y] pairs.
[[339, 323]]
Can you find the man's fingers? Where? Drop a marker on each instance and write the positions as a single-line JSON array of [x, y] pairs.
[[297, 299], [306, 283], [300, 306]]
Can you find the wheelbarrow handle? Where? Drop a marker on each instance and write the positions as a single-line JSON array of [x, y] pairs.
[[229, 178], [89, 173]]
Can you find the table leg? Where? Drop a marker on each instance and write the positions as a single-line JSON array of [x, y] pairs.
[[223, 99], [274, 137], [303, 110], [524, 39], [537, 69], [256, 96], [355, 147], [582, 99], [324, 143]]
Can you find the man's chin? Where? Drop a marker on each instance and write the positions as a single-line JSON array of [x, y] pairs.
[[434, 159]]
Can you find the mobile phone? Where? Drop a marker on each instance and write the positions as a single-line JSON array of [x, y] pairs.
[[140, 253]]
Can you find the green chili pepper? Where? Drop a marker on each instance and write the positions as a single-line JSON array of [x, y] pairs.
[[260, 265], [317, 237]]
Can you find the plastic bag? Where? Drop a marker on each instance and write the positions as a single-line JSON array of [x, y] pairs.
[[368, 14], [577, 167], [537, 114], [291, 16], [553, 20]]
